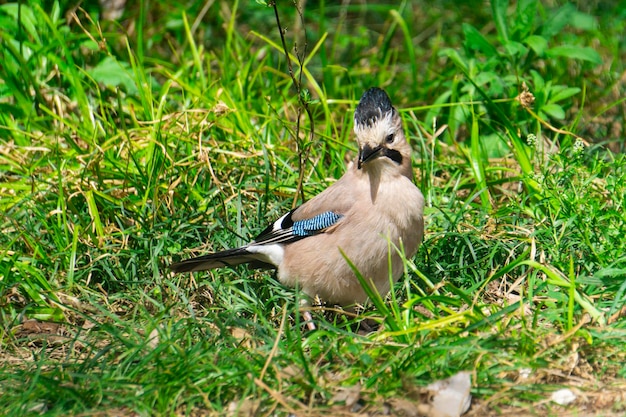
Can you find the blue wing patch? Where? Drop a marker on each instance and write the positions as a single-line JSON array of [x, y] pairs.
[[285, 230], [315, 224]]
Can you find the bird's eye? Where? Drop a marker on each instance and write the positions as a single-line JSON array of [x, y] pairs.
[[389, 138]]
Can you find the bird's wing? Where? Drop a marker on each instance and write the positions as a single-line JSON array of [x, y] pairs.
[[321, 214], [286, 230]]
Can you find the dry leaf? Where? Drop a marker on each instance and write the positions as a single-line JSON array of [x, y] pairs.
[[449, 397], [347, 395], [563, 396], [405, 408], [153, 338], [244, 408]]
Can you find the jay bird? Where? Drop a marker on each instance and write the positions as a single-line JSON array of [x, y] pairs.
[[373, 204]]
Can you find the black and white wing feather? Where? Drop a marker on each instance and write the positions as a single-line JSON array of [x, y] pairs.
[[286, 230], [266, 250]]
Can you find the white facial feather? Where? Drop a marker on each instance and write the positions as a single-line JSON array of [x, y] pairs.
[[375, 133]]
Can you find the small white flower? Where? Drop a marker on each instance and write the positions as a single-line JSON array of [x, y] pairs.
[[579, 147]]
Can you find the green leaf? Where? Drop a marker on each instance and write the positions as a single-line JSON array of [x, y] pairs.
[[28, 20], [563, 93], [537, 43], [554, 110], [525, 17], [495, 146], [406, 32], [583, 21], [562, 17], [538, 81], [498, 9], [474, 40], [94, 212], [515, 48], [575, 52], [492, 81], [456, 58], [477, 162], [111, 73]]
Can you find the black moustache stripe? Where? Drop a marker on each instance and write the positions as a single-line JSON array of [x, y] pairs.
[[393, 155]]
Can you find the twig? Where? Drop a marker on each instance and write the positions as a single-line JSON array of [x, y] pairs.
[[303, 100], [276, 342], [280, 398]]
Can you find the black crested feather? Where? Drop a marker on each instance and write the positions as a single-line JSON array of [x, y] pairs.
[[374, 103]]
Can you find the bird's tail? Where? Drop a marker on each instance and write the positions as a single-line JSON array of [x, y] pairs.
[[230, 257]]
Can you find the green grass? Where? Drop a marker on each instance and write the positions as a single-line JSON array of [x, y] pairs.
[[125, 146]]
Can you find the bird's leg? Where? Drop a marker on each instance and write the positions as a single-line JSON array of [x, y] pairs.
[[306, 314]]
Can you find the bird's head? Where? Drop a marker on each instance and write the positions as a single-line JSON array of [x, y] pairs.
[[379, 133]]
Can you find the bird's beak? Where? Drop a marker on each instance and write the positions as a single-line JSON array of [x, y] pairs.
[[366, 153]]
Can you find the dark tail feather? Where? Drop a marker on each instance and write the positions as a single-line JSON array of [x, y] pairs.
[[230, 257]]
